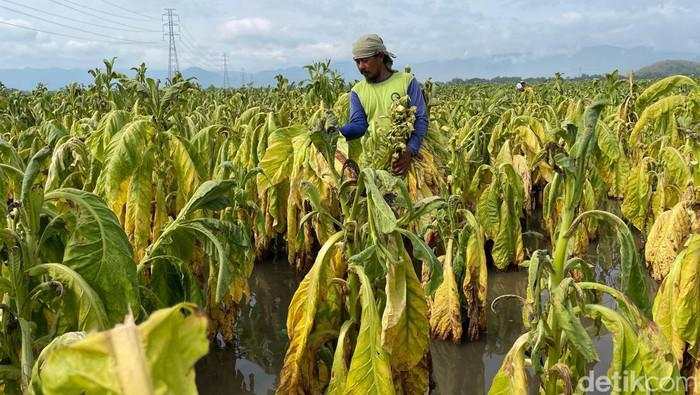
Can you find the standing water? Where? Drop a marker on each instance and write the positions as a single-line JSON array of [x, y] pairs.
[[252, 363]]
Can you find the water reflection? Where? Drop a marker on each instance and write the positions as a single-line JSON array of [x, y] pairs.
[[251, 365], [468, 368]]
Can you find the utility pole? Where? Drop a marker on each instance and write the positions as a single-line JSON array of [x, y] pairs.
[[171, 29], [226, 83]]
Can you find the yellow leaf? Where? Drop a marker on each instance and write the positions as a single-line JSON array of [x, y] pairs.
[[667, 236], [445, 315]]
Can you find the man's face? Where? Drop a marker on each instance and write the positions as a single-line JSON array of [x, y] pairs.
[[370, 67]]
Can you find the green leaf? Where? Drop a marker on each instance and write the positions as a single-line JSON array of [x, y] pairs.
[[370, 371], [425, 254], [582, 146], [660, 88], [82, 300], [99, 251], [339, 372], [155, 357], [211, 195], [219, 256], [30, 174], [384, 217], [640, 352], [422, 207], [633, 276], [488, 210], [505, 246], [570, 324]]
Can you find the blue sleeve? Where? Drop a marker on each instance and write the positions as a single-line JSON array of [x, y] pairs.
[[420, 127], [357, 124]]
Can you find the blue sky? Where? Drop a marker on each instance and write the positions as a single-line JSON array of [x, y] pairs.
[[261, 35]]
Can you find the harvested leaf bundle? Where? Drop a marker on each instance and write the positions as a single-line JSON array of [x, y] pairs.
[[385, 143]]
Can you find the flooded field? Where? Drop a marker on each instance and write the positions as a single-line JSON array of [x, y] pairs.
[[252, 363]]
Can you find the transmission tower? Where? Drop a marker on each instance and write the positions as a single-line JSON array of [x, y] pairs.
[[171, 29], [226, 82]]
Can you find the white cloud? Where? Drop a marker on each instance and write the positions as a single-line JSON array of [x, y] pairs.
[[320, 50], [571, 16], [268, 34], [246, 26], [8, 32]]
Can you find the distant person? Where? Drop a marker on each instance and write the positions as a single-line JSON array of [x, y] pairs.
[[371, 99], [520, 86]]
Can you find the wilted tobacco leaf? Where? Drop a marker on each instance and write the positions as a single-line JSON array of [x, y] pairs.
[[666, 238], [445, 309], [676, 307], [405, 318], [300, 319], [512, 376]]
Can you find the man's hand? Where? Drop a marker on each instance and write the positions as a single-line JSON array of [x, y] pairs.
[[402, 163], [350, 169]]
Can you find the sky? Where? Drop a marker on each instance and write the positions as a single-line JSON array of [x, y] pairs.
[[265, 35]]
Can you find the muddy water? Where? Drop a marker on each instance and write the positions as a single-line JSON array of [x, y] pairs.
[[251, 365]]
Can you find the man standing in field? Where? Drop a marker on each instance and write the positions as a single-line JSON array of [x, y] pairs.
[[371, 99]]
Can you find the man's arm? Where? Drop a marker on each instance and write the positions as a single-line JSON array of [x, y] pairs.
[[357, 124], [420, 127]]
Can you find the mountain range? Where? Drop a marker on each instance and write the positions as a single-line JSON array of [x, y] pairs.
[[587, 60]]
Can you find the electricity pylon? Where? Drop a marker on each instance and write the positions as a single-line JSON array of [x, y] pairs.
[[171, 29]]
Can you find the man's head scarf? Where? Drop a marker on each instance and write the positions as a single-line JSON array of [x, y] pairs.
[[369, 45]]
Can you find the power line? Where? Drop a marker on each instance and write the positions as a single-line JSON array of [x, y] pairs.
[[97, 10], [194, 53], [70, 35], [188, 37], [128, 10], [192, 60], [74, 28], [103, 18], [197, 51], [69, 18], [197, 60]]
